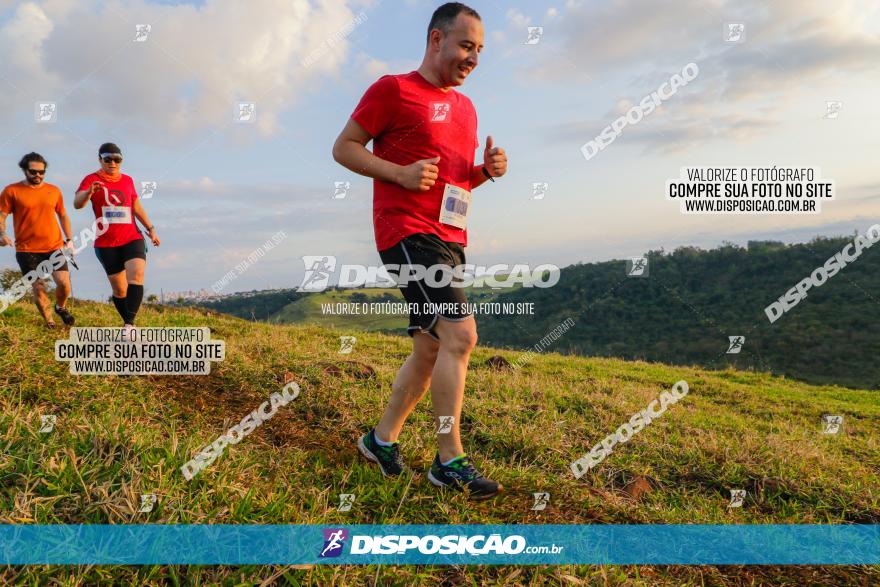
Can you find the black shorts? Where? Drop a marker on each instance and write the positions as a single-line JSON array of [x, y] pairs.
[[28, 262], [113, 258], [428, 303]]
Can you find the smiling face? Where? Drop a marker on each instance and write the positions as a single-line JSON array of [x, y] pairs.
[[456, 54]]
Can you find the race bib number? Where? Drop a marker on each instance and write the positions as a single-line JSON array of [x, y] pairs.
[[455, 206], [116, 214]]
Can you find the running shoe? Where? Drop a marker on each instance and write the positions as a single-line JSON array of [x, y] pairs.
[[126, 333], [461, 474], [66, 316], [387, 457]]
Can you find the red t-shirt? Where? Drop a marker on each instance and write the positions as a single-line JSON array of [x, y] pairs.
[[117, 208], [411, 119]]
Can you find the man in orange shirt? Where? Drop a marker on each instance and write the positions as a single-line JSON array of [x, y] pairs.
[[34, 206]]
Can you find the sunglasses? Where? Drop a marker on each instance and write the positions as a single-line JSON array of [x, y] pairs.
[[111, 159], [36, 172]]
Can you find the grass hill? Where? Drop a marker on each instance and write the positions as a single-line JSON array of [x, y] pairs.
[[681, 314], [308, 310], [117, 438], [293, 307]]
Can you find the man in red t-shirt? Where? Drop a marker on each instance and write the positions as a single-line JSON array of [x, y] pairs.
[[424, 136]]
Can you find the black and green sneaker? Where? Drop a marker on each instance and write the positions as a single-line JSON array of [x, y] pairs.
[[461, 474], [387, 457], [66, 316]]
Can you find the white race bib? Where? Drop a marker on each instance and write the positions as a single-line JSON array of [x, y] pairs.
[[455, 206], [116, 214]]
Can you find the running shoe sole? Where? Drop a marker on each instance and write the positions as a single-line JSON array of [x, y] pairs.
[[473, 496]]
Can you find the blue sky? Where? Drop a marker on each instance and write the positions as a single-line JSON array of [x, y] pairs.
[[224, 188]]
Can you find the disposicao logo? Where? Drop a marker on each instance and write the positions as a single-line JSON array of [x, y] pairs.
[[334, 541]]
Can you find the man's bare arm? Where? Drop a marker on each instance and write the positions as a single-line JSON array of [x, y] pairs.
[[4, 239], [65, 225], [350, 151], [477, 177]]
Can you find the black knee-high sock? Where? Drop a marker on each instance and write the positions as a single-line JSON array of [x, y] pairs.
[[120, 307], [133, 300]]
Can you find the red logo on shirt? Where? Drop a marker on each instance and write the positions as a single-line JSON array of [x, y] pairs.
[[440, 111]]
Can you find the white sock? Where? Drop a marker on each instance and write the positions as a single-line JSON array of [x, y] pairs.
[[379, 441], [447, 463]]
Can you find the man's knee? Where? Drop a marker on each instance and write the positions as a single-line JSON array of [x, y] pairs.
[[425, 353], [461, 339]]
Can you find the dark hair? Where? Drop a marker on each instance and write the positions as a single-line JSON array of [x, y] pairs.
[[109, 148], [32, 157], [444, 17]]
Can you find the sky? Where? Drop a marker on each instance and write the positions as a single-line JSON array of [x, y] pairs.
[[226, 187]]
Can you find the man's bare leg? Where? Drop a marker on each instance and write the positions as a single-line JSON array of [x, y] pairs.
[[62, 287], [41, 300], [457, 340], [409, 387]]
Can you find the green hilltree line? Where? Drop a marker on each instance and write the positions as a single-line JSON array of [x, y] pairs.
[[254, 305], [683, 312]]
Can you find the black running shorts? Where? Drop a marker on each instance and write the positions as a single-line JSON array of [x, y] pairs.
[[428, 303], [28, 262], [113, 258]]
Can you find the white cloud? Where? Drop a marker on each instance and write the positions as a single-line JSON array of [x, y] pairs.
[[517, 19], [197, 62], [371, 68], [793, 48]]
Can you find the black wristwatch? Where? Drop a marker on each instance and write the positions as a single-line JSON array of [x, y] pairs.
[[486, 173]]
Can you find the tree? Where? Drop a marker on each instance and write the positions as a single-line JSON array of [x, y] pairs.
[[9, 277]]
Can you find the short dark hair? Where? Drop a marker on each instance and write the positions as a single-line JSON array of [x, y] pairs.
[[25, 162], [109, 148], [444, 17]]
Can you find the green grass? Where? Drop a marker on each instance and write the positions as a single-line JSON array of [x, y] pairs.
[[119, 437], [308, 310]]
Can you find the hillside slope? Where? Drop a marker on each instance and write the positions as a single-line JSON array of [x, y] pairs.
[[117, 438]]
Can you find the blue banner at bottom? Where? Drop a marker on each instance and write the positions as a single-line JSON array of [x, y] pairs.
[[439, 544]]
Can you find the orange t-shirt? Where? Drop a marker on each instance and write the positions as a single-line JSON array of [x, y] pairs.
[[33, 215]]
